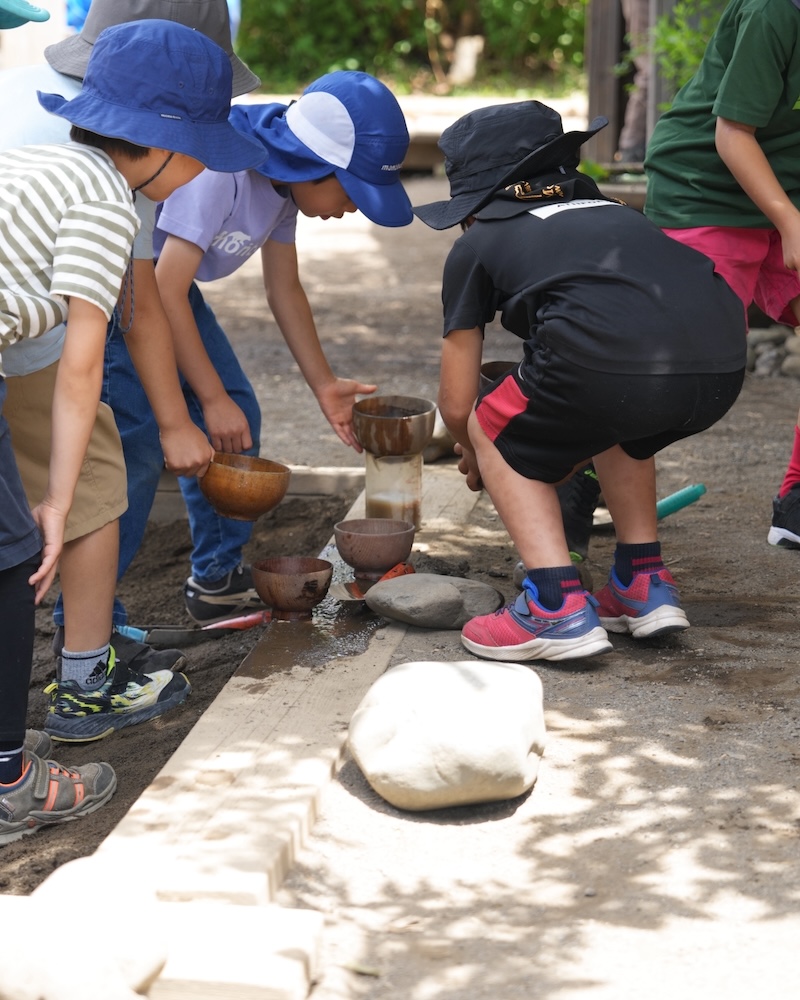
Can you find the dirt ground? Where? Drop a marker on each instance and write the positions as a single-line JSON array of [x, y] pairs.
[[722, 697]]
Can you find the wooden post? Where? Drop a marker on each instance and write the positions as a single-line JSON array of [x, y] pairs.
[[605, 31]]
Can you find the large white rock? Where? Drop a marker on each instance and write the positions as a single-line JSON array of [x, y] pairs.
[[428, 600], [433, 734]]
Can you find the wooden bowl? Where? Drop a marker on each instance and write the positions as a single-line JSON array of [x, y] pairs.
[[491, 371], [244, 487], [393, 425], [292, 586], [373, 545]]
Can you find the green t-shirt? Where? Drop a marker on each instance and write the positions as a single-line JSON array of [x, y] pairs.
[[750, 73]]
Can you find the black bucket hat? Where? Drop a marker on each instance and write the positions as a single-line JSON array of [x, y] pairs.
[[492, 147]]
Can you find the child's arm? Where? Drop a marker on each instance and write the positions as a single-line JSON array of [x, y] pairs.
[[75, 401], [289, 304], [187, 450], [226, 422], [743, 156], [459, 378]]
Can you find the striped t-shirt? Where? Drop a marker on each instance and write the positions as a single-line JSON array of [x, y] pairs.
[[67, 224]]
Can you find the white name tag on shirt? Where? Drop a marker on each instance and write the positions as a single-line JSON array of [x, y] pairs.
[[545, 211]]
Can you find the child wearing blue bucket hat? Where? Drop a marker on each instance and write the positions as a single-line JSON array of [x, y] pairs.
[[337, 149], [68, 223], [86, 611]]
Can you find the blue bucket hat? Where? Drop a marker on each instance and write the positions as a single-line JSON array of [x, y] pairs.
[[159, 83], [14, 13], [345, 123]]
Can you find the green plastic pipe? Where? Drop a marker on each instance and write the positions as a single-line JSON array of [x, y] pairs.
[[677, 501]]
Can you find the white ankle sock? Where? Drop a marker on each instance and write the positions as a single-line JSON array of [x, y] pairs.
[[87, 669]]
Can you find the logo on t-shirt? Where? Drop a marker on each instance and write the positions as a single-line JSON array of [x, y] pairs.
[[236, 243]]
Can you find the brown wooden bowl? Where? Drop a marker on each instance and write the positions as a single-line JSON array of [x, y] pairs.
[[373, 545], [491, 371], [244, 487], [292, 586], [393, 425]]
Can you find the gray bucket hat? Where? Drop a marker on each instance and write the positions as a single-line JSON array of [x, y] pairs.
[[71, 56], [490, 148]]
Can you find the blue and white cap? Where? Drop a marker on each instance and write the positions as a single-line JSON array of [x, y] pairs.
[[346, 123]]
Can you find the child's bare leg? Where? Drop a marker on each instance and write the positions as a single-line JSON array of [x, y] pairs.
[[629, 490], [552, 619], [529, 509], [88, 575], [640, 596], [785, 528]]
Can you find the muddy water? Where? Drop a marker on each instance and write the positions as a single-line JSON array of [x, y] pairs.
[[335, 629], [395, 505]]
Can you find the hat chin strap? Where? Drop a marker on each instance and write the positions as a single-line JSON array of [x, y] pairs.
[[156, 174]]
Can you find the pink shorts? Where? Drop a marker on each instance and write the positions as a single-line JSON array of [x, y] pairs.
[[751, 261]]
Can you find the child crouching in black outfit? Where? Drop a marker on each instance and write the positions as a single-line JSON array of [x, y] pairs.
[[631, 342]]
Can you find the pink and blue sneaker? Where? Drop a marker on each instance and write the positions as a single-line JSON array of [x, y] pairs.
[[524, 630], [648, 607]]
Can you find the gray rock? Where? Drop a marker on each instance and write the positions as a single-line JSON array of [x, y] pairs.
[[769, 359], [791, 365], [775, 334], [428, 735], [792, 344], [432, 601]]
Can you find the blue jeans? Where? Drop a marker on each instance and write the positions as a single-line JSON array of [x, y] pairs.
[[217, 541]]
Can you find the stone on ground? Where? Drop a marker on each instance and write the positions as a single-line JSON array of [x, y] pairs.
[[428, 735], [428, 600]]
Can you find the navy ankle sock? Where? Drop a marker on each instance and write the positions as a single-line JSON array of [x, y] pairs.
[[632, 559], [10, 762], [555, 584]]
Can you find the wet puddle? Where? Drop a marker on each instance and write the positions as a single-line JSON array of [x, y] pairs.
[[336, 629]]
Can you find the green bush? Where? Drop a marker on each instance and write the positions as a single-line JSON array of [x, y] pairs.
[[410, 42], [679, 39]]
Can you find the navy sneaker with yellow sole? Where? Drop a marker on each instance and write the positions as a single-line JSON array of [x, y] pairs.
[[125, 698]]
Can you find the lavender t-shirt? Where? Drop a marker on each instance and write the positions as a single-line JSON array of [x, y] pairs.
[[229, 216]]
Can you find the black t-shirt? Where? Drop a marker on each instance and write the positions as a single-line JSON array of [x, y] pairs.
[[599, 284]]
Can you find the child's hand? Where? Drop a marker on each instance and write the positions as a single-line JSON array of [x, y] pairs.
[[187, 451], [336, 401], [468, 467], [50, 523], [790, 241], [227, 426]]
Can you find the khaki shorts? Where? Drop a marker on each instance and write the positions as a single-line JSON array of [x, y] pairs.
[[101, 493]]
